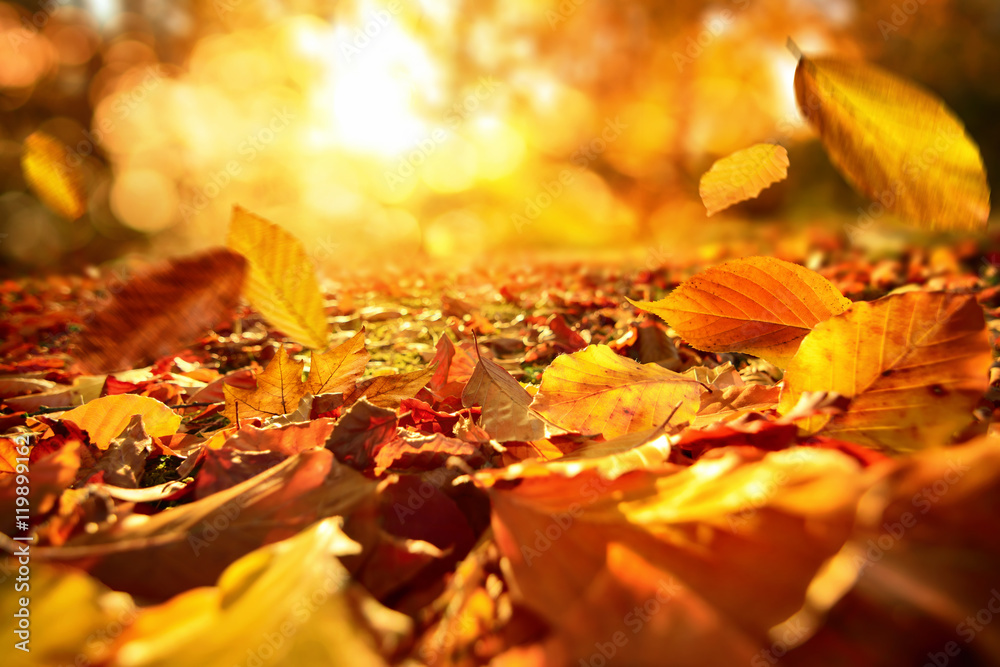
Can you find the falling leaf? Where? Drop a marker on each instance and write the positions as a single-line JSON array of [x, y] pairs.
[[504, 402], [279, 389], [54, 174], [895, 142], [388, 391], [914, 365], [281, 279], [758, 305], [742, 175], [598, 391], [160, 311], [337, 370], [105, 418]]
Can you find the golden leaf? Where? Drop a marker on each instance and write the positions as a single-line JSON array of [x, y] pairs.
[[388, 391], [337, 370], [49, 170], [281, 280], [104, 418], [895, 142], [742, 175], [504, 402], [279, 389], [598, 391], [758, 305], [914, 366]]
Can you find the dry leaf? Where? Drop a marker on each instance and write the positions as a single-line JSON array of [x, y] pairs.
[[105, 418], [742, 175], [598, 391], [278, 392], [388, 391], [158, 312], [504, 402], [337, 370], [914, 366], [895, 142], [281, 279], [758, 305], [50, 171]]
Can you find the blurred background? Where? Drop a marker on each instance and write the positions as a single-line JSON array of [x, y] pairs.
[[444, 129]]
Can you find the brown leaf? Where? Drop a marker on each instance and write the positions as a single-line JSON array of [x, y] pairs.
[[123, 462], [504, 402], [159, 312], [278, 392]]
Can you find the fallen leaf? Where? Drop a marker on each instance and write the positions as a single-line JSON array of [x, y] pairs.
[[913, 365], [742, 175], [278, 392], [895, 142], [281, 279], [51, 172], [160, 311], [598, 391], [505, 404], [123, 462], [758, 305], [337, 370], [104, 418], [424, 452], [388, 391], [357, 434]]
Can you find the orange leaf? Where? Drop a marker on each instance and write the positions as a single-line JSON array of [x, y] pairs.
[[598, 391], [757, 305], [158, 312], [51, 172], [337, 370], [279, 389], [388, 391], [742, 175], [105, 418], [914, 366]]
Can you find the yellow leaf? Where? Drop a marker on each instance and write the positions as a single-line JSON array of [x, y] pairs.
[[895, 142], [914, 366], [281, 280], [279, 389], [598, 391], [742, 175], [285, 603], [758, 305], [337, 370], [51, 173], [387, 391], [104, 418]]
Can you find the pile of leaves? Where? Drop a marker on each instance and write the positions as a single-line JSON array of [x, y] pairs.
[[214, 461]]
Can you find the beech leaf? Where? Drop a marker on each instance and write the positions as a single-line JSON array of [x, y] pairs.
[[52, 174], [504, 402], [742, 175]]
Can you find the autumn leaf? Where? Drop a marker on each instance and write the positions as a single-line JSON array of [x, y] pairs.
[[758, 305], [281, 279], [914, 366], [598, 391], [895, 142], [50, 171], [504, 402], [742, 175], [388, 391], [337, 370], [105, 418], [278, 391], [158, 312]]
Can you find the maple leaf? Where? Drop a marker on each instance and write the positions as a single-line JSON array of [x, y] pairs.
[[758, 305], [336, 370], [278, 392]]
